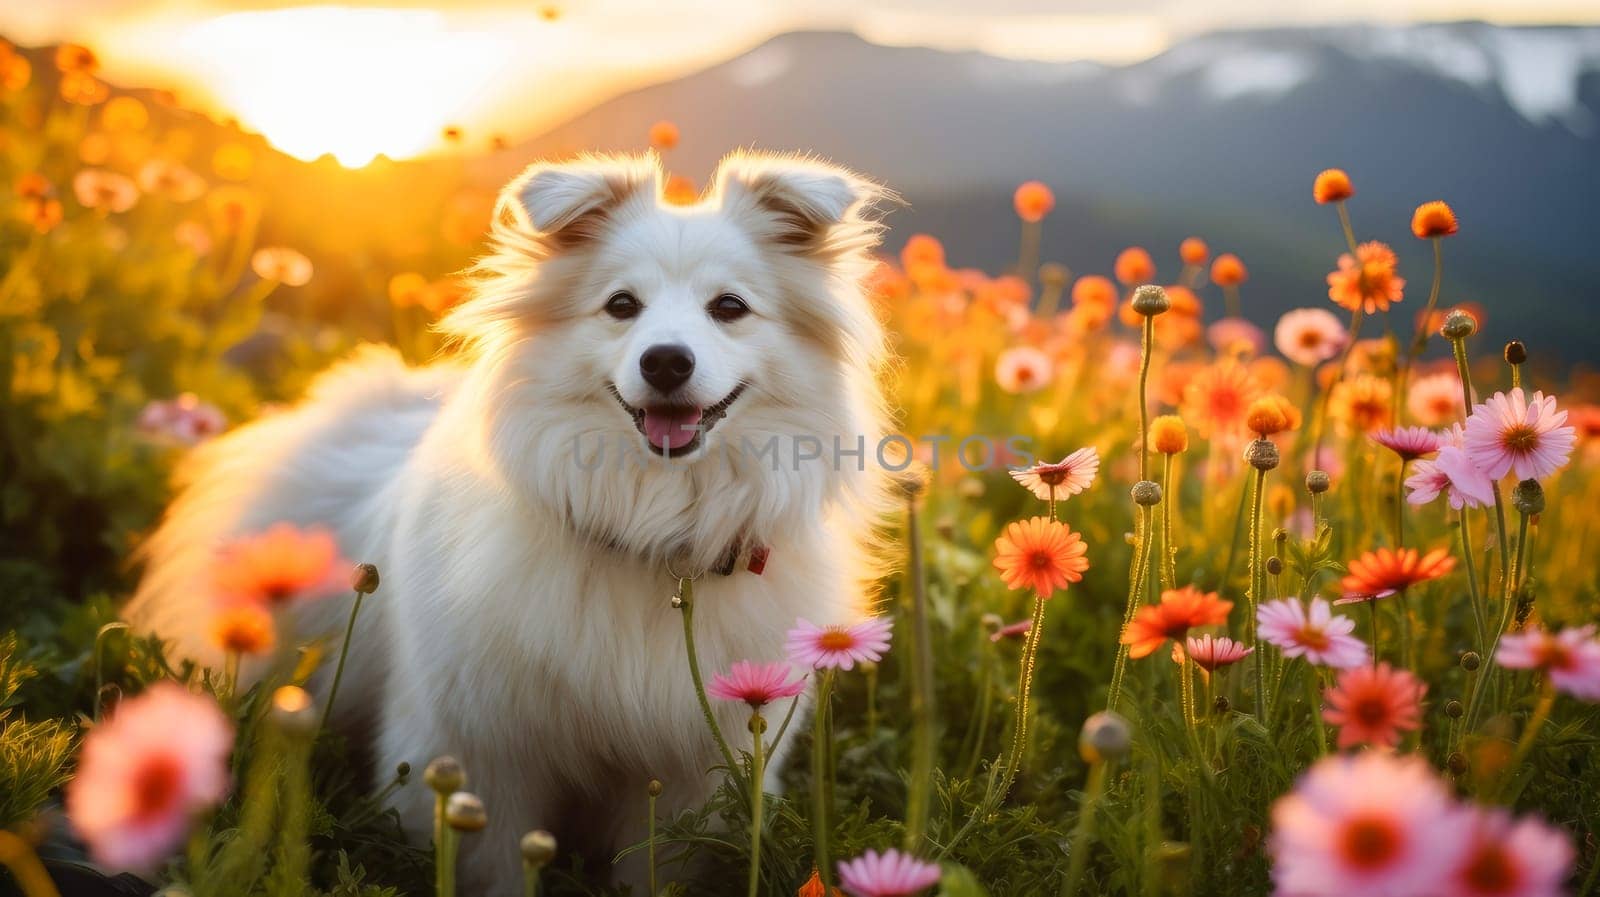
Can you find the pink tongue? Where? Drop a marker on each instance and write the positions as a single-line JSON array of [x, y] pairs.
[[665, 428]]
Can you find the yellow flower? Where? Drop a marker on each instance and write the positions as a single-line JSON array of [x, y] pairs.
[[282, 264]]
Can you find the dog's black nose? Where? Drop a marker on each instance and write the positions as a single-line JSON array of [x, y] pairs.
[[666, 366]]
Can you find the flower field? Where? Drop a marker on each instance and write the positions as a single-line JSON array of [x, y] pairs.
[[1195, 602]]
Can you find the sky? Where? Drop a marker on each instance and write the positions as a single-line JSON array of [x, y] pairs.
[[360, 78]]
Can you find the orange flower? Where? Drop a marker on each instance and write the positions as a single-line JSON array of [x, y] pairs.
[[1033, 201], [443, 295], [83, 89], [104, 191], [1179, 611], [1094, 290], [679, 191], [1218, 397], [1228, 271], [1041, 554], [76, 58], [406, 290], [1367, 281], [1169, 435], [15, 71], [275, 567], [1332, 185], [34, 185], [1134, 266], [1433, 220], [1381, 573], [1271, 414], [1362, 403], [124, 114], [1194, 251], [41, 214], [1374, 705], [813, 887], [922, 252], [664, 135], [244, 628]]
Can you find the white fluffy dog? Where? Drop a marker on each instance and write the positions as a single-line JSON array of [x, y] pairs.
[[644, 388]]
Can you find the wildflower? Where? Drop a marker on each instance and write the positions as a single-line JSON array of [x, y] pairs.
[[1436, 399], [1371, 823], [1134, 266], [465, 812], [1063, 479], [538, 848], [145, 772], [922, 251], [76, 58], [1094, 290], [1387, 571], [1228, 271], [1033, 201], [1454, 474], [83, 89], [1012, 630], [1168, 435], [41, 214], [1271, 414], [889, 874], [1105, 735], [1332, 185], [1433, 220], [1236, 336], [1212, 653], [185, 420], [1511, 858], [664, 135], [15, 72], [243, 628], [679, 191], [1510, 433], [1374, 705], [838, 647], [1218, 397], [1309, 336], [1409, 443], [1194, 252], [278, 566], [1311, 631], [124, 114], [755, 684], [1571, 658], [282, 264], [1041, 554], [230, 208], [1368, 280], [104, 191], [1362, 403], [1178, 611], [172, 180], [1022, 369]]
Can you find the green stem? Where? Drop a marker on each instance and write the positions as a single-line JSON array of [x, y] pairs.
[[1344, 222], [344, 651], [1420, 341], [443, 862], [757, 792], [1338, 375], [533, 874], [1019, 732], [1083, 831], [1530, 734], [1253, 595], [1141, 550], [820, 825], [922, 710], [686, 605], [1169, 562], [1314, 702], [1146, 340]]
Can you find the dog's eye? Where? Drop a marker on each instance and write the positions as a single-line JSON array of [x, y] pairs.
[[728, 307], [622, 305]]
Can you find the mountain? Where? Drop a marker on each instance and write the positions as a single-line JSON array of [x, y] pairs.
[[1220, 136]]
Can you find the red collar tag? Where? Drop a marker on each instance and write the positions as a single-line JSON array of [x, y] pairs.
[[758, 559]]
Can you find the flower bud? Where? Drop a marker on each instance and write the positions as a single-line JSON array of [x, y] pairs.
[[1318, 482], [538, 848], [1105, 736], [1221, 704], [757, 724], [293, 713], [1262, 454], [1453, 709], [1146, 493], [913, 481], [365, 579], [1516, 352], [1274, 566], [1150, 300], [465, 813], [1457, 763], [1528, 498], [992, 622], [1470, 661], [655, 788], [445, 775], [1053, 275], [402, 771], [1458, 325]]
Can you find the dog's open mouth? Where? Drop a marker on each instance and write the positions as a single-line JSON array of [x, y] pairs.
[[674, 430]]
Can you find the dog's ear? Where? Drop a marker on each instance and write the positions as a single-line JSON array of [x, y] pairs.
[[798, 203], [567, 203]]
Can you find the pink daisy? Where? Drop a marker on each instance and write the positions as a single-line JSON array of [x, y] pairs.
[[1309, 336], [1571, 658], [1511, 858], [1210, 653], [1231, 334], [1371, 823], [1311, 632], [1450, 472], [838, 647], [1012, 630], [887, 874], [1374, 705], [1023, 369], [1063, 479], [755, 684], [1410, 443], [1510, 433], [1436, 400], [144, 773], [184, 420]]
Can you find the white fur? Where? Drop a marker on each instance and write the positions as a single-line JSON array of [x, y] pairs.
[[523, 623]]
